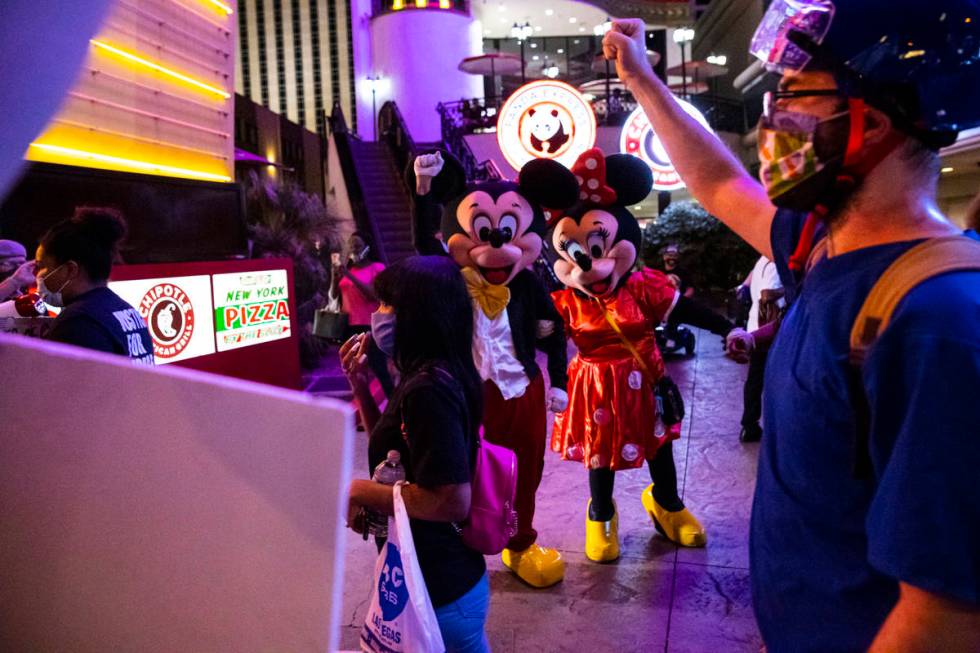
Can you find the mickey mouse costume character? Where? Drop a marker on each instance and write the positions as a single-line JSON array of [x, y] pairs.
[[494, 230], [610, 313]]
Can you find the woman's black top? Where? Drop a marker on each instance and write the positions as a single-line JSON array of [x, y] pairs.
[[428, 421]]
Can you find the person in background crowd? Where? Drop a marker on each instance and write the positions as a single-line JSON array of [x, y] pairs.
[[16, 272], [678, 275], [425, 324], [763, 285], [864, 532], [72, 264], [355, 282], [680, 278]]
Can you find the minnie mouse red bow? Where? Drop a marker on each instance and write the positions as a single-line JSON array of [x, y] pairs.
[[590, 173]]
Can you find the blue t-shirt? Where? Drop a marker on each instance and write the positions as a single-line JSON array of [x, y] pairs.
[[828, 549]]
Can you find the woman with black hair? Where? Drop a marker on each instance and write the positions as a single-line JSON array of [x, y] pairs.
[[425, 324], [72, 264]]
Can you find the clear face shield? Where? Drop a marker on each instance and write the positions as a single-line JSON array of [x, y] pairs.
[[771, 43]]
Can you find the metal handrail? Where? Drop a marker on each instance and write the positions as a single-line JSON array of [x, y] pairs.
[[723, 114], [394, 132], [343, 138]]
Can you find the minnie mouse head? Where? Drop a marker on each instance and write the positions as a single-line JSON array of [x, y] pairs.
[[497, 227], [598, 239]]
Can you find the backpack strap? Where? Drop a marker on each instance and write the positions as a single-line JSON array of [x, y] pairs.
[[926, 260]]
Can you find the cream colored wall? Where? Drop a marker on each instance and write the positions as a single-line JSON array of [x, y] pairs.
[[154, 95]]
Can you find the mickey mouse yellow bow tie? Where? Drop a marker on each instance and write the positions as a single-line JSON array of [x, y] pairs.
[[492, 299]]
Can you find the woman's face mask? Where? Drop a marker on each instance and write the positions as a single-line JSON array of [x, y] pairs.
[[383, 332], [800, 156], [50, 297]]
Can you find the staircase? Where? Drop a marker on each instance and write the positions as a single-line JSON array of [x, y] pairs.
[[386, 201]]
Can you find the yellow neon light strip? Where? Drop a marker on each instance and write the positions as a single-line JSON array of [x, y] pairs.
[[166, 71], [131, 163], [221, 5]]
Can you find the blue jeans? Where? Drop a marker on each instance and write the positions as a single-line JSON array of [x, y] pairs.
[[462, 621]]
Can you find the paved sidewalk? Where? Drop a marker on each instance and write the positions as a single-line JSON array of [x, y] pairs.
[[657, 597]]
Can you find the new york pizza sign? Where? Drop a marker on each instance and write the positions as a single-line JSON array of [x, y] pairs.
[[250, 308]]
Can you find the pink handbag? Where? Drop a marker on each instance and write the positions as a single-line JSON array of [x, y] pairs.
[[493, 520]]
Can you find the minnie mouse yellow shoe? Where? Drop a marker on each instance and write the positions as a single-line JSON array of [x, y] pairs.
[[601, 538], [680, 527], [536, 565]]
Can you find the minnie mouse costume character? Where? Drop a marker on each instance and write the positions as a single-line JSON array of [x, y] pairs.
[[610, 313], [494, 230]]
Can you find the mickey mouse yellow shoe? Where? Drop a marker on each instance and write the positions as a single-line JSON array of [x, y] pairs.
[[680, 527], [537, 566], [601, 538]]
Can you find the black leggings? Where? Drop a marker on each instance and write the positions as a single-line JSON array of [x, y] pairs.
[[663, 473]]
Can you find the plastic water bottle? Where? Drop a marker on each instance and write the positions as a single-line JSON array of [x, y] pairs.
[[389, 472]]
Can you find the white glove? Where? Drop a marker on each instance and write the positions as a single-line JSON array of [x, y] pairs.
[[426, 167], [557, 400], [544, 328], [739, 344]]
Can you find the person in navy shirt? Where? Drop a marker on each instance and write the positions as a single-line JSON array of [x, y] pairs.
[[72, 264], [885, 558]]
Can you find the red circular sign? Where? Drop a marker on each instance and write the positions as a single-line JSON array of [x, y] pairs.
[[639, 139], [169, 316]]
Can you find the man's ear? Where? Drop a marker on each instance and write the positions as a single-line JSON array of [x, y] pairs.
[[877, 125]]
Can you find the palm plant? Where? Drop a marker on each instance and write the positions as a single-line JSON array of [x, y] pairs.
[[718, 258], [286, 222]]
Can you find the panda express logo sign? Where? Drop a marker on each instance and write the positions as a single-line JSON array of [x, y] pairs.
[[639, 139], [545, 120], [169, 316]]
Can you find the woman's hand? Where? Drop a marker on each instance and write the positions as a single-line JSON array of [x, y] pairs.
[[353, 360], [356, 515]]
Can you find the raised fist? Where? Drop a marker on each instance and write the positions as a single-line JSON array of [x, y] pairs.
[[624, 44], [426, 167]]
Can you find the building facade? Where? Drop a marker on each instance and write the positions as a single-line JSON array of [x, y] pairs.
[[295, 57]]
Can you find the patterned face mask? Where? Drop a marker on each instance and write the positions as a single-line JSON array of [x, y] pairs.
[[791, 169]]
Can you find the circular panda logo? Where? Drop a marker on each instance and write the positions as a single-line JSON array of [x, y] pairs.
[[169, 317], [545, 120], [639, 139], [546, 130]]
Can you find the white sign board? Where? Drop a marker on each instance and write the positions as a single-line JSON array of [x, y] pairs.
[[164, 509], [251, 308], [177, 312]]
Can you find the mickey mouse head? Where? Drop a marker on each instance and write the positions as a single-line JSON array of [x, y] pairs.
[[598, 239], [497, 226]]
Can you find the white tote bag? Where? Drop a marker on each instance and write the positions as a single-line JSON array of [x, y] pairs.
[[400, 618]]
